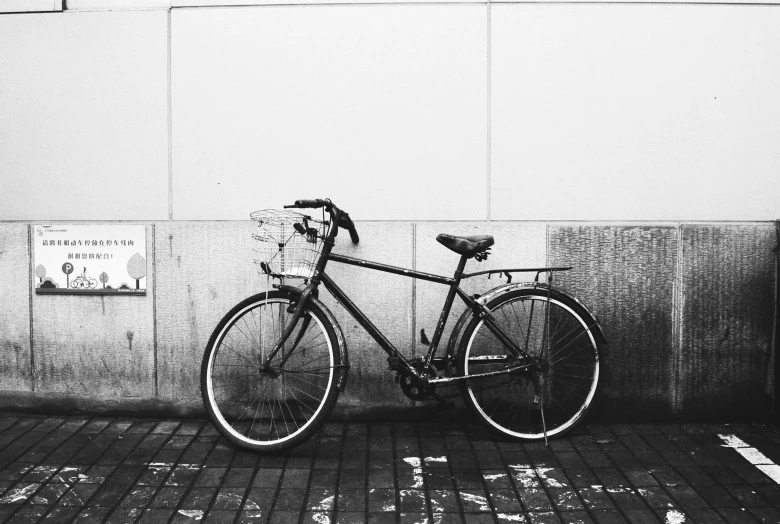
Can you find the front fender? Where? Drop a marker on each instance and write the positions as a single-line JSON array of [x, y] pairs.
[[295, 294]]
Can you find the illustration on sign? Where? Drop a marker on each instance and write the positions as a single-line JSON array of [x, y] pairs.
[[100, 259]]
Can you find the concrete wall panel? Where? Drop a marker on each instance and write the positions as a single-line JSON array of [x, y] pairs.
[[83, 105], [385, 299], [626, 276], [99, 348], [728, 276], [517, 245], [15, 357], [203, 270], [382, 108]]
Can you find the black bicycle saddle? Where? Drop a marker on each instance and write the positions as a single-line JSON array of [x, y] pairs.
[[468, 246]]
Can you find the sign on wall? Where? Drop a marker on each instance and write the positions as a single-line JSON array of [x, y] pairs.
[[90, 259]]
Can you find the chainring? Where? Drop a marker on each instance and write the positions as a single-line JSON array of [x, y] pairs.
[[409, 384]]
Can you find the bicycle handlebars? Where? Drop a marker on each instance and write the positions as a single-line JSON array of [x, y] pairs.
[[344, 221]]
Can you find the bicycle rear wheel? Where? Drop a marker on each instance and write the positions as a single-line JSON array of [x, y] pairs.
[[527, 405], [280, 406]]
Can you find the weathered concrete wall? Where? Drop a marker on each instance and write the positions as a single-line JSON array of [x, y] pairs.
[[688, 310]]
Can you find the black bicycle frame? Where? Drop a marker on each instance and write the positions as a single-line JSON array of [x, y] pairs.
[[520, 359]]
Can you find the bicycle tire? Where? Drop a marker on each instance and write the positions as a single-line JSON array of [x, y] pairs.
[[512, 405], [259, 411]]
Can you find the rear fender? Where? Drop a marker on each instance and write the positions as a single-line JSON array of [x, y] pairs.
[[496, 292]]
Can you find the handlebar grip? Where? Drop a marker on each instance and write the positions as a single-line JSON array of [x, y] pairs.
[[347, 223], [353, 234], [317, 202]]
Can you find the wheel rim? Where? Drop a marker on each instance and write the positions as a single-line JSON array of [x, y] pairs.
[[567, 375], [268, 407]]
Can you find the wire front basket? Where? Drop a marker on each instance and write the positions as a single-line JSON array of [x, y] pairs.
[[288, 243]]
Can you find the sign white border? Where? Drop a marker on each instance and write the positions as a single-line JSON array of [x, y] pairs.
[[101, 259]]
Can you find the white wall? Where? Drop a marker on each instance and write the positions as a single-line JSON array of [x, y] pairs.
[[382, 108], [83, 116], [636, 112], [563, 111]]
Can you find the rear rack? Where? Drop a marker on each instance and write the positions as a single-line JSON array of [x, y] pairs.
[[506, 272]]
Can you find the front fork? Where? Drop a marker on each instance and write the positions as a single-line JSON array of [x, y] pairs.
[[297, 314]]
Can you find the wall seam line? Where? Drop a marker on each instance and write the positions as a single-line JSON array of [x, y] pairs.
[[154, 312], [414, 291], [677, 321], [489, 134], [30, 295], [170, 118]]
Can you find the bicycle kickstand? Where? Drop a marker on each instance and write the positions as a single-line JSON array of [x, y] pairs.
[[538, 399]]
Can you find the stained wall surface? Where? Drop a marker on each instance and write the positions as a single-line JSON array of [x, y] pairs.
[[637, 143]]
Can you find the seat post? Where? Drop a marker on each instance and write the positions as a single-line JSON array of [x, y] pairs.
[[459, 270]]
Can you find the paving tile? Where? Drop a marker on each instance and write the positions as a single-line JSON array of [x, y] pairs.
[[267, 478], [352, 478], [595, 498], [543, 517], [535, 499], [766, 515], [235, 477], [284, 517], [608, 517], [290, 500], [576, 517], [717, 496], [167, 497], [566, 499], [413, 501], [81, 494], [28, 514], [736, 516], [641, 516], [351, 500], [93, 515], [124, 515], [138, 497], [229, 498], [60, 514], [381, 500], [198, 498]]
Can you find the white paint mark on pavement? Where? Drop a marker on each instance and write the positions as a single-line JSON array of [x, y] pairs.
[[15, 495], [192, 513], [494, 477], [417, 472], [476, 499], [513, 518], [753, 456], [551, 482], [674, 517]]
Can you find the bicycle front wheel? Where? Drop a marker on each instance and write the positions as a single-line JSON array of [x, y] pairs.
[[281, 405], [548, 399]]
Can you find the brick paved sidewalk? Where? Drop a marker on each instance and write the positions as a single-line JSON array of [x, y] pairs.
[[116, 470]]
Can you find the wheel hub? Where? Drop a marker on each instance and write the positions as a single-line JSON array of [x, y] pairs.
[[268, 371]]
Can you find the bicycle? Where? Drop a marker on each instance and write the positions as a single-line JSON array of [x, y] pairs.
[[83, 281], [525, 356]]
